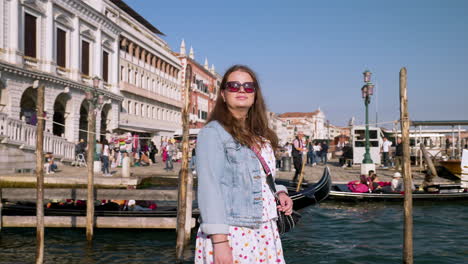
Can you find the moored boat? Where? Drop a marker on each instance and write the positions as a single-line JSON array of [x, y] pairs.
[[454, 166], [340, 192], [309, 194]]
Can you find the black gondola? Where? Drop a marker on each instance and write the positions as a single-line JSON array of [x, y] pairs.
[[29, 209], [340, 192], [309, 194]]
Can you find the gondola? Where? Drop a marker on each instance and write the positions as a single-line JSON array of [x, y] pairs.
[[340, 192], [29, 209], [309, 194]]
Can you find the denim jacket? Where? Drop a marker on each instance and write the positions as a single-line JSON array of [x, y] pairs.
[[229, 182]]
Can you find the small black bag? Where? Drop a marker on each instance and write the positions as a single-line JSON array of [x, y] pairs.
[[285, 222]]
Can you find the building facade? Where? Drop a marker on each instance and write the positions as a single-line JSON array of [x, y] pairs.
[[148, 77], [61, 44], [313, 124], [204, 85]]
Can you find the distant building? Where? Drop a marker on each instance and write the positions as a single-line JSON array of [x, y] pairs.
[[204, 87], [149, 77], [62, 44], [311, 123], [286, 125]]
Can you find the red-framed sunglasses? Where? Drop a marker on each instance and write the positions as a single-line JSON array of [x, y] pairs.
[[234, 87]]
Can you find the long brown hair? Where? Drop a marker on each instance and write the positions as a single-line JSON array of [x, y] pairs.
[[255, 127]]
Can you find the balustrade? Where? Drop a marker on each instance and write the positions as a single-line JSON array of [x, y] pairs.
[[17, 132]]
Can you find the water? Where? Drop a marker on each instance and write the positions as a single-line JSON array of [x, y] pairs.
[[330, 233]]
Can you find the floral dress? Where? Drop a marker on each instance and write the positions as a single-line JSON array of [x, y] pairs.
[[262, 245]]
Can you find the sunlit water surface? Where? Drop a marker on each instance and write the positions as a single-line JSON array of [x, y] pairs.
[[329, 233]]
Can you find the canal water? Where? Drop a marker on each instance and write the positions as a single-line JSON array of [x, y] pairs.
[[329, 233]]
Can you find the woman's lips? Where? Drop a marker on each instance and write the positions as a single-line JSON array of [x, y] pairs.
[[241, 97]]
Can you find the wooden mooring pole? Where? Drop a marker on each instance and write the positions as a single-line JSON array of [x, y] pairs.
[[90, 165], [408, 182], [184, 207], [40, 175]]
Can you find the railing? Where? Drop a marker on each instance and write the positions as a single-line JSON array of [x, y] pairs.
[[17, 132]]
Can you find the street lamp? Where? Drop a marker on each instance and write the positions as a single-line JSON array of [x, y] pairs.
[[95, 100], [367, 91]]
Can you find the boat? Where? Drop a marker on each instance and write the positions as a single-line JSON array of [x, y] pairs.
[[340, 192], [453, 166], [29, 209], [309, 194]]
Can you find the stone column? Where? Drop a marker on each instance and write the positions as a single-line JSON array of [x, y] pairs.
[[75, 46], [50, 95], [115, 68], [75, 115], [13, 32], [49, 46], [97, 58]]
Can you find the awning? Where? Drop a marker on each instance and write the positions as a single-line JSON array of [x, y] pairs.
[[440, 123]]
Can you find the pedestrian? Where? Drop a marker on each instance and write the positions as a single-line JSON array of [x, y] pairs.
[[105, 158], [297, 149], [324, 152], [153, 150], [193, 159], [238, 209], [316, 153], [398, 155], [171, 151], [385, 151], [310, 152]]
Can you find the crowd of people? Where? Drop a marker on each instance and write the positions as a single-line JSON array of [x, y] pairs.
[[141, 152]]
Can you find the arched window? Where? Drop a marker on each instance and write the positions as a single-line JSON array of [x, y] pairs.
[[148, 113], [129, 108], [142, 110], [135, 108]]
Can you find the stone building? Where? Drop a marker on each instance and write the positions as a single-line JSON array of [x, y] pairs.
[[149, 77], [204, 86], [62, 44], [313, 124]]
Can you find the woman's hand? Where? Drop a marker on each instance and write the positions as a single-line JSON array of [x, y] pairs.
[[222, 253], [286, 203]]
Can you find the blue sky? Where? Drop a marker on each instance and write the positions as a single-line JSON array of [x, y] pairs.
[[311, 54]]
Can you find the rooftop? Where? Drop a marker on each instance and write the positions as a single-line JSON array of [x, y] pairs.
[[299, 114], [127, 9]]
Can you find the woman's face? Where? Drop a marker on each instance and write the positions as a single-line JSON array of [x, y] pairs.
[[239, 101]]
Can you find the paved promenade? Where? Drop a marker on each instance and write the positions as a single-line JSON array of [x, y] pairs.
[[75, 175]]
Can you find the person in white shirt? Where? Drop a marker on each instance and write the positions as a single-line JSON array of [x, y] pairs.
[[385, 150], [105, 158], [396, 183]]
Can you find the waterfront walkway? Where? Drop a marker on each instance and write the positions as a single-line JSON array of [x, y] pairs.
[[76, 175]]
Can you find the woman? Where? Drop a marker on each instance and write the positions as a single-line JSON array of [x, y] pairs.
[[238, 210]]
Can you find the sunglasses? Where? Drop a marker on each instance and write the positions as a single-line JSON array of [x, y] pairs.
[[234, 87]]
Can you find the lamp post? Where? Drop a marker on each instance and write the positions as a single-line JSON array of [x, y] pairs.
[[367, 91], [95, 100]]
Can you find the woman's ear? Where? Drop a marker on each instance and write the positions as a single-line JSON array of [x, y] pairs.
[[223, 96]]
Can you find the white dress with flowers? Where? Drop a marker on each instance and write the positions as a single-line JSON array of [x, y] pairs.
[[262, 245]]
